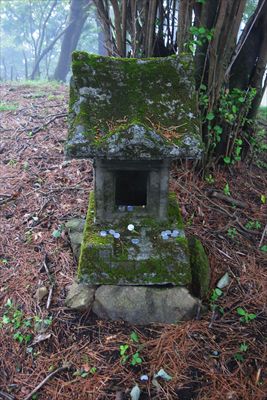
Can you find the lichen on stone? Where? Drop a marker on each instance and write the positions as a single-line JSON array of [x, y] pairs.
[[105, 260], [199, 267], [156, 93]]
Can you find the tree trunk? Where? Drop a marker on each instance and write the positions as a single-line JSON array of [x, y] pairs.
[[71, 37], [250, 63], [184, 22]]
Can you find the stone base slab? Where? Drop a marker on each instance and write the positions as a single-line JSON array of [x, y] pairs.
[[138, 305]]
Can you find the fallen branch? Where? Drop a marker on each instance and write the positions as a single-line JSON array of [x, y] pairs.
[[229, 199], [35, 390], [39, 128], [6, 396]]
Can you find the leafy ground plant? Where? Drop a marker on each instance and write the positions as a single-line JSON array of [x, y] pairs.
[[15, 320], [231, 233], [245, 316], [243, 348], [4, 106], [128, 353]]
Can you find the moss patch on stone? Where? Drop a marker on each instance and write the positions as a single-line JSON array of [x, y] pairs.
[[199, 268], [106, 260], [110, 92]]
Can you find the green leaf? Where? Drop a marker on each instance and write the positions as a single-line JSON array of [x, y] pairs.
[[263, 199], [226, 190], [210, 116], [56, 234], [18, 336], [201, 29], [5, 319], [241, 311], [218, 129], [123, 349], [9, 303], [264, 248], [134, 337], [227, 160], [234, 109], [239, 357], [243, 347], [136, 359]]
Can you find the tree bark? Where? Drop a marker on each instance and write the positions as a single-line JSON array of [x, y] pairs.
[[184, 23], [249, 65], [71, 37]]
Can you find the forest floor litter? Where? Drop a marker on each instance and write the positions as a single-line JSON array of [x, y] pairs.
[[48, 352]]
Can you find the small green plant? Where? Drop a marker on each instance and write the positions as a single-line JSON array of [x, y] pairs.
[[81, 372], [14, 319], [253, 225], [57, 232], [40, 323], [200, 35], [136, 359], [264, 248], [263, 199], [216, 293], [123, 350], [239, 356], [12, 162], [231, 233], [245, 317], [226, 190], [28, 236], [127, 353], [20, 325], [5, 106], [26, 165], [209, 179]]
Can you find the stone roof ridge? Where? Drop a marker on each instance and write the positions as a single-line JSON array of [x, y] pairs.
[[137, 141]]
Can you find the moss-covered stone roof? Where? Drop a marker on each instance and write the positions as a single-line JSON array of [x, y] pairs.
[[113, 100]]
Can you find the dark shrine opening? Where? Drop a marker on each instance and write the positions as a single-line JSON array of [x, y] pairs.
[[131, 188]]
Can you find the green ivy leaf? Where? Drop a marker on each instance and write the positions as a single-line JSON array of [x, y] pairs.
[[227, 160], [202, 29], [210, 116]]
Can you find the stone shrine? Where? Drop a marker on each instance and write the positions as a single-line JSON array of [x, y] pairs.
[[133, 117]]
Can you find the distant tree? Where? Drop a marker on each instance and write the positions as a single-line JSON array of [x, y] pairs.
[[30, 30], [77, 17]]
